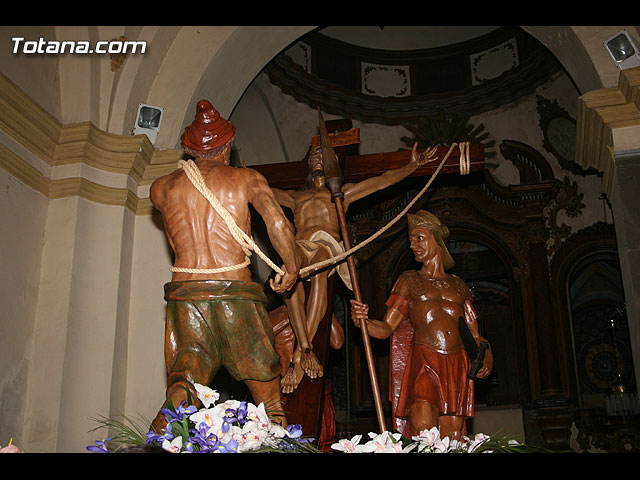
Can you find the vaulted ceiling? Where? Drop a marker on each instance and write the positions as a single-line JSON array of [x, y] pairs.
[[370, 75]]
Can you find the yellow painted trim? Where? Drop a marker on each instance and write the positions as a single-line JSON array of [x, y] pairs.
[[22, 171], [27, 122], [38, 132]]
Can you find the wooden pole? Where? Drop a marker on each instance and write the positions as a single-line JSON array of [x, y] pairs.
[[334, 179], [363, 325]]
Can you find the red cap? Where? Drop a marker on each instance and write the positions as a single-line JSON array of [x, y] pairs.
[[209, 132]]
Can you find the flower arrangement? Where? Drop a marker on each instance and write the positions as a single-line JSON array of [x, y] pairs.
[[236, 426], [230, 427], [428, 441]]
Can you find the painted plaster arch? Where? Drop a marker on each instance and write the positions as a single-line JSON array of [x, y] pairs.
[[581, 53], [216, 63]]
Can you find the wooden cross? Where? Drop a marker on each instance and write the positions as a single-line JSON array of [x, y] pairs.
[[356, 168]]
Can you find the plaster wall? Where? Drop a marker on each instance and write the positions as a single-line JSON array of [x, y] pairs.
[[49, 340], [87, 366], [23, 212], [40, 79], [145, 371]]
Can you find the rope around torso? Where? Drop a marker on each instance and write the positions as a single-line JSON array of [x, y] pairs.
[[247, 243]]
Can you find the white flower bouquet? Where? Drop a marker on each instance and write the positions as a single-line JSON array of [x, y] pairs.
[[236, 426]]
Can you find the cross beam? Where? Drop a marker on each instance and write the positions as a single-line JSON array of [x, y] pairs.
[[356, 168]]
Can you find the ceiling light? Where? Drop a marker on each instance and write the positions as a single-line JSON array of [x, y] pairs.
[[148, 121], [623, 50]]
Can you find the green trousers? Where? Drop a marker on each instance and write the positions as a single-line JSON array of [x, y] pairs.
[[217, 323]]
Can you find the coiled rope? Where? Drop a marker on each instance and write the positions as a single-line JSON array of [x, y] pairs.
[[247, 244]]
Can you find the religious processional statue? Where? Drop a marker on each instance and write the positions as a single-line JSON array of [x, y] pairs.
[[318, 237], [437, 350], [216, 315]]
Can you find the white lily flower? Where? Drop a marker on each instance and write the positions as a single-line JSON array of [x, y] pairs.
[[349, 446], [457, 445], [258, 415], [383, 443], [206, 395], [428, 437], [173, 446], [278, 430], [209, 416], [478, 440], [442, 446], [229, 404]]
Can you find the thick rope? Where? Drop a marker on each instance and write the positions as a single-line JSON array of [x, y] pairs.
[[465, 163], [193, 173]]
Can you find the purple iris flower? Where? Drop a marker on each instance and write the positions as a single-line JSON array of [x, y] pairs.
[[295, 430], [179, 413], [206, 441], [241, 413], [230, 447], [99, 447], [153, 437]]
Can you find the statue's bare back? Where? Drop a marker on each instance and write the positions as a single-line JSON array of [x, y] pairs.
[[199, 236]]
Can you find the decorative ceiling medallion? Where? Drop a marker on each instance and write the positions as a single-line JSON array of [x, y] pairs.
[[559, 132], [385, 80], [300, 54], [494, 62]]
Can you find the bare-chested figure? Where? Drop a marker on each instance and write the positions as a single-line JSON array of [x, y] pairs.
[[435, 388], [216, 315], [318, 236]]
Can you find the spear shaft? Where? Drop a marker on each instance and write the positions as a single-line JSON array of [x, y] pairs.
[[334, 179]]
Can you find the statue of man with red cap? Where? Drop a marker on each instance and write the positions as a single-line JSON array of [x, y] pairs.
[[431, 312], [216, 314]]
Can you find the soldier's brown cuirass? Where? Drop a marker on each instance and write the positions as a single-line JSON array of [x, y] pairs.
[[434, 308]]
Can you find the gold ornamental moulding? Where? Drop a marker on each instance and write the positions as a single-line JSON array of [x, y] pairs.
[[57, 145], [600, 112]]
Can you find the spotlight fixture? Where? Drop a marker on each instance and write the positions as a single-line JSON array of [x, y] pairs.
[[148, 121], [623, 50]]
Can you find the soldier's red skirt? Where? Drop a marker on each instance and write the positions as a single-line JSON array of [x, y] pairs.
[[439, 379]]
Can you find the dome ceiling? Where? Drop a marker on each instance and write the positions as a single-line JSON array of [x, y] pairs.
[[404, 37], [412, 72]]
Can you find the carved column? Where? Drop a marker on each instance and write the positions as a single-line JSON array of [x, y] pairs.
[[543, 314], [553, 415]]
